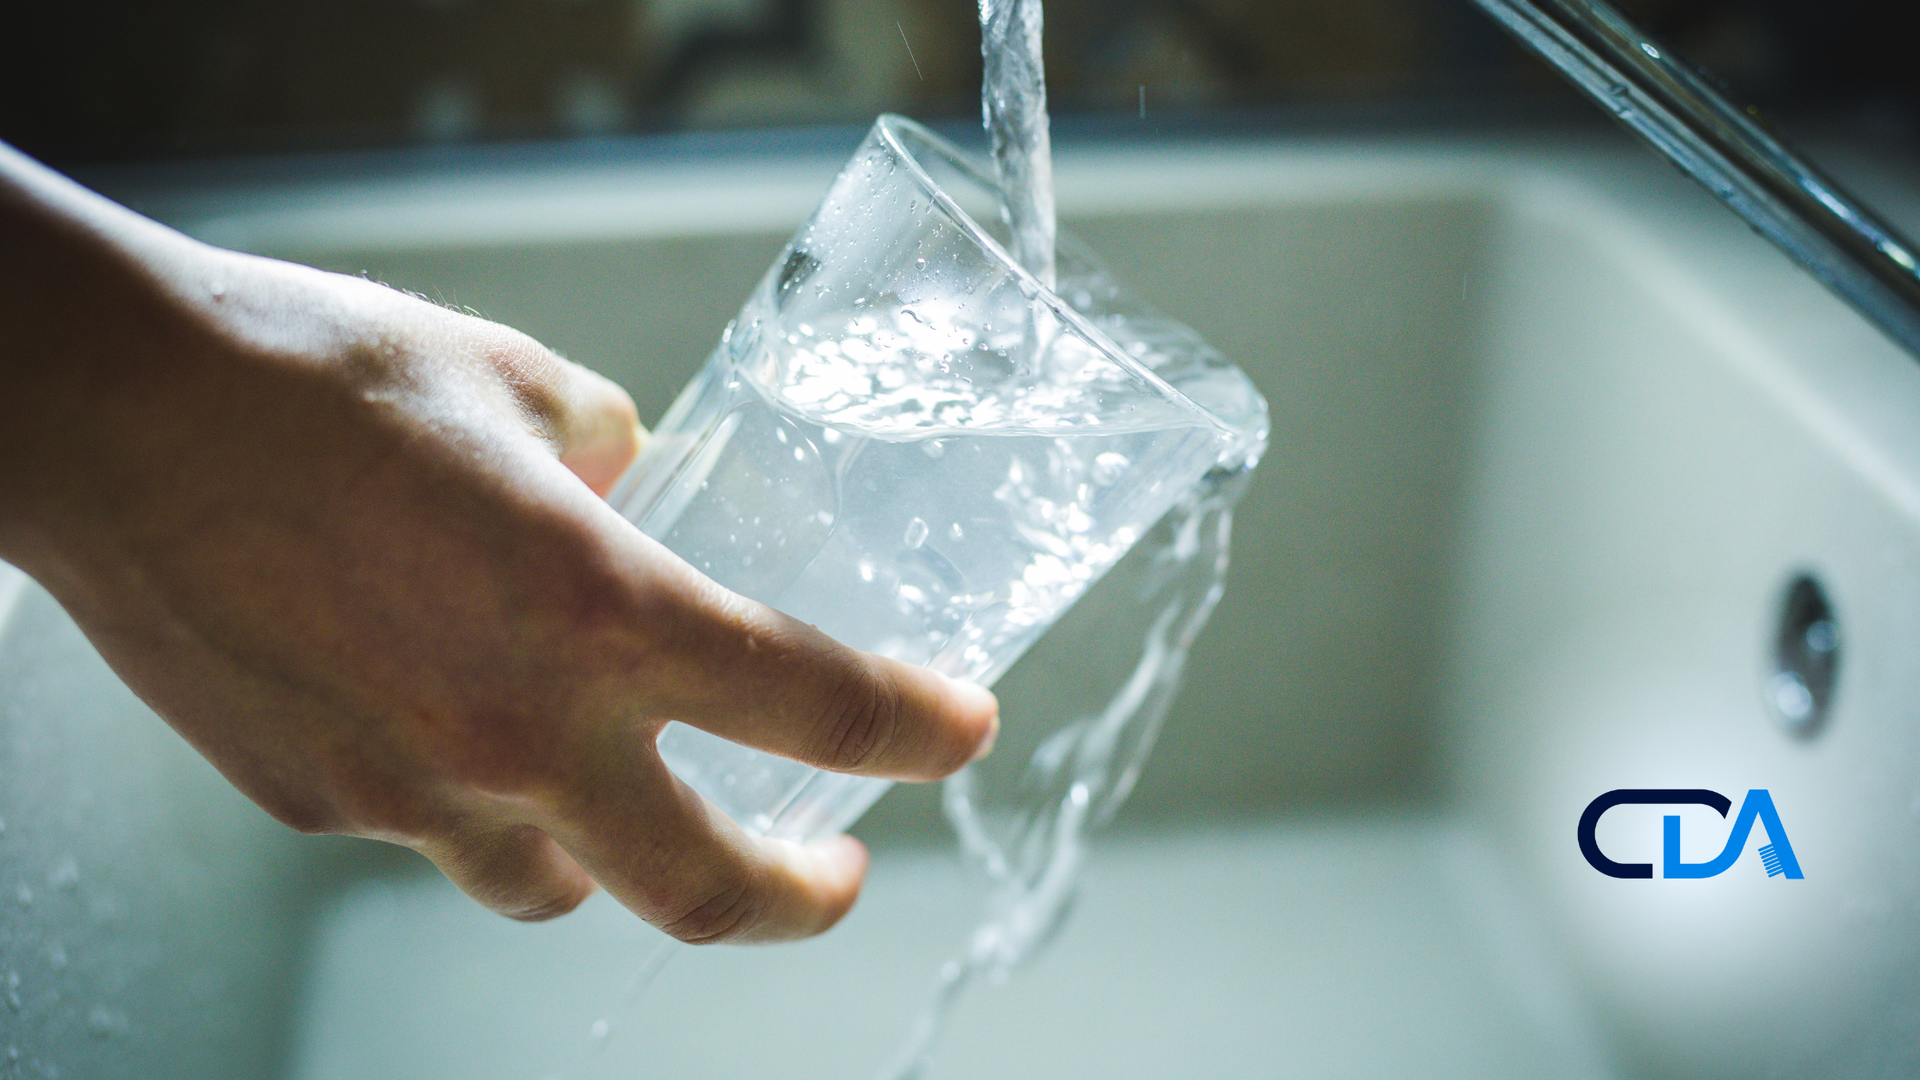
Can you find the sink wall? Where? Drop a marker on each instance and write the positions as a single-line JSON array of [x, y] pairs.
[[1679, 425]]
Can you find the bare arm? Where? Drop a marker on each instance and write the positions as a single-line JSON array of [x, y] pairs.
[[352, 547]]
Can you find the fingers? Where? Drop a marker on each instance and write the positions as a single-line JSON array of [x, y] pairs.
[[677, 862], [516, 870], [758, 677]]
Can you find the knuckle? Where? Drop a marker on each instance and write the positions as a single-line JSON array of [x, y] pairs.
[[364, 798], [494, 751], [535, 378], [723, 912], [302, 815], [549, 907], [860, 721], [319, 804]]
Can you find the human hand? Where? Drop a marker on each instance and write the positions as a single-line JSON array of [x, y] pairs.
[[351, 545]]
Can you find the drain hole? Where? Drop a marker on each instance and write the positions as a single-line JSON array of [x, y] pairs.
[[1806, 658]]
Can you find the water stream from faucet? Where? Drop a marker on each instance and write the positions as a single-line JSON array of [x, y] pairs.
[[1032, 848], [1030, 836]]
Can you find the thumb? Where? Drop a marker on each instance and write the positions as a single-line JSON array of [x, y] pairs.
[[599, 428]]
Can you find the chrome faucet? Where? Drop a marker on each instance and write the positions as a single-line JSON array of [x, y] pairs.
[[1614, 61]]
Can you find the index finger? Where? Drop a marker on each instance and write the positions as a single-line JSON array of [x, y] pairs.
[[761, 678]]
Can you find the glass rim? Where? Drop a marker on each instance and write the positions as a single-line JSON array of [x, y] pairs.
[[890, 127]]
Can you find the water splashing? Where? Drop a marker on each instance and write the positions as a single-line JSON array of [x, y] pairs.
[[1032, 849]]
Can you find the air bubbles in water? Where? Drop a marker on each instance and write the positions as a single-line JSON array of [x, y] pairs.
[[1108, 468], [916, 533]]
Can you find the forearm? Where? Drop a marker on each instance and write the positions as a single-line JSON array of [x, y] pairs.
[[92, 295]]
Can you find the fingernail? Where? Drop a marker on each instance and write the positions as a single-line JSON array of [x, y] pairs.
[[986, 744], [976, 698]]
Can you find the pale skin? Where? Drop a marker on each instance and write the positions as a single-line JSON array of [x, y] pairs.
[[353, 547]]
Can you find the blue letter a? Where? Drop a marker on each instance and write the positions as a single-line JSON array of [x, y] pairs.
[[1777, 855]]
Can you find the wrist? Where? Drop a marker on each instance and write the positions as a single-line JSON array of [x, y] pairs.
[[90, 305]]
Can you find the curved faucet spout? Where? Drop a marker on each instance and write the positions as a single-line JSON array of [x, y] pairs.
[[1618, 64]]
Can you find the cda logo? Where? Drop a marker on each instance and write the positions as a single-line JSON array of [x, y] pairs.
[[1776, 855]]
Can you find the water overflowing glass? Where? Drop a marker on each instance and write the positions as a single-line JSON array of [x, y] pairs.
[[907, 441], [935, 424]]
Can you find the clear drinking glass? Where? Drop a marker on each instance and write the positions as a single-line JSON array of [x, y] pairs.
[[908, 441]]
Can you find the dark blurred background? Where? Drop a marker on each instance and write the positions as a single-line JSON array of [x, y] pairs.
[[102, 81]]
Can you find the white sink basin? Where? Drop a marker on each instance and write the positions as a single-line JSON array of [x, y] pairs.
[[1552, 433]]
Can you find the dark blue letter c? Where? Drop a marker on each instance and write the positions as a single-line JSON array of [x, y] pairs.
[[1591, 819]]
